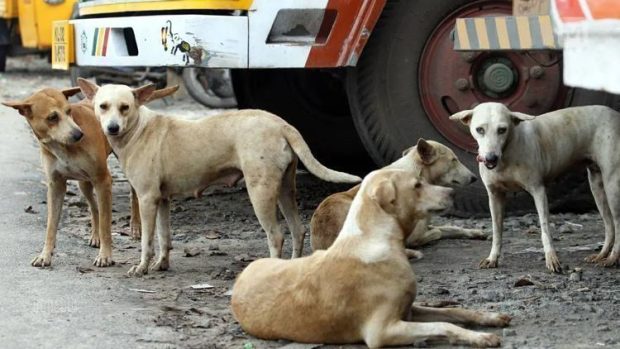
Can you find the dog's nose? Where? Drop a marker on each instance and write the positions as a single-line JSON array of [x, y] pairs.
[[492, 158], [473, 179], [76, 135], [113, 129]]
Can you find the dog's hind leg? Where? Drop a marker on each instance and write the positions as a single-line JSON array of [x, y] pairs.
[[407, 333], [163, 235], [288, 207], [598, 191], [612, 191], [458, 315], [103, 189], [134, 224], [264, 190], [87, 190], [56, 189]]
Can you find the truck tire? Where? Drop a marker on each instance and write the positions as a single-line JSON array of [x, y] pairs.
[[314, 101], [4, 50], [406, 84], [210, 87]]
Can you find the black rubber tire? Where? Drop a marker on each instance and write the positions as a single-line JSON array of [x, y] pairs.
[[206, 97], [387, 110], [315, 103], [4, 50]]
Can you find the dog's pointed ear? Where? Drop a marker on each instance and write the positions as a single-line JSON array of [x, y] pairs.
[[144, 93], [463, 116], [518, 117], [427, 152], [23, 108], [384, 194], [68, 92], [164, 92], [89, 89]]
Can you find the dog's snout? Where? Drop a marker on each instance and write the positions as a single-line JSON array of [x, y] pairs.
[[473, 179], [76, 135], [113, 128]]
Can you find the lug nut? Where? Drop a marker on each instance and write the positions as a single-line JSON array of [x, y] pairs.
[[537, 72], [461, 84]]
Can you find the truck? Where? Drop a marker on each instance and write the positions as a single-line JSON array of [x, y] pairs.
[[26, 26], [361, 79]]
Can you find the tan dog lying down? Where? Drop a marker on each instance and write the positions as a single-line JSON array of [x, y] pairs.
[[74, 147], [429, 160], [165, 156], [362, 287]]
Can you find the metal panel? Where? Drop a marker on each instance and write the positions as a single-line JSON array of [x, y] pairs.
[[182, 40]]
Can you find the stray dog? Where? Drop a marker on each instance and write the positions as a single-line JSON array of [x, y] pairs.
[[362, 287], [517, 151], [428, 160], [164, 156], [74, 147]]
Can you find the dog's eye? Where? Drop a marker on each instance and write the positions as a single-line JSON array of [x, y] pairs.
[[418, 185], [480, 130], [53, 117], [501, 130], [68, 111], [103, 106], [123, 108]]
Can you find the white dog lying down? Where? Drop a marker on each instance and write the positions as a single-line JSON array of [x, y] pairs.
[[362, 287], [523, 152], [165, 157]]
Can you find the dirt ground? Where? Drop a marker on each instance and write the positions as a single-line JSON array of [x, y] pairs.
[[552, 311]]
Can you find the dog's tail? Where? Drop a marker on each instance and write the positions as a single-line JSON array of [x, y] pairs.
[[300, 147]]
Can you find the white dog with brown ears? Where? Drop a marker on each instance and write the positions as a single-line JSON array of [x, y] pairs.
[[164, 156], [517, 151], [362, 288]]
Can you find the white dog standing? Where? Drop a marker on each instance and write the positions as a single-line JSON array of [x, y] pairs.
[[517, 151], [165, 157]]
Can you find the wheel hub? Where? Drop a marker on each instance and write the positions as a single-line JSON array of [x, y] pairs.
[[497, 78]]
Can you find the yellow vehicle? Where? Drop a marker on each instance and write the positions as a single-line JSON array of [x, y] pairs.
[[26, 26]]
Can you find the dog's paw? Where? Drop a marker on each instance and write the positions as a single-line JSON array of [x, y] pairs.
[[488, 340], [478, 234], [42, 260], [161, 265], [103, 261], [94, 241], [552, 261], [413, 254], [488, 263], [595, 258], [497, 320], [610, 261], [136, 231], [138, 271]]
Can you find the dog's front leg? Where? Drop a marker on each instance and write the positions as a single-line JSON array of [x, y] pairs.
[[163, 235], [56, 189], [540, 199], [103, 188], [87, 190], [496, 204], [135, 225], [148, 215]]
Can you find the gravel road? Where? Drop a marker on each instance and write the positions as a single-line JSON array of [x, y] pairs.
[[73, 304]]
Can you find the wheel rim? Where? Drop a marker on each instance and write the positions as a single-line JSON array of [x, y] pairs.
[[451, 81]]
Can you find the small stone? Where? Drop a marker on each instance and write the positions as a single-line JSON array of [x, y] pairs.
[[191, 251], [442, 290], [575, 275]]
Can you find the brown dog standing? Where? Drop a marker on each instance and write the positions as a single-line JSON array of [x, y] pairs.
[[428, 160], [362, 287]]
